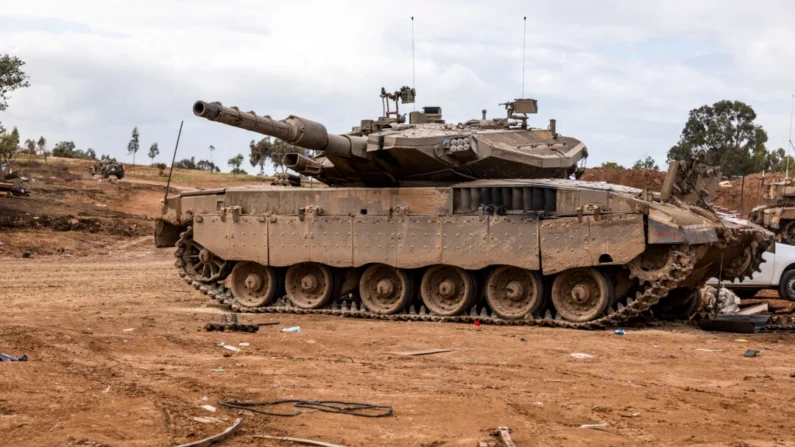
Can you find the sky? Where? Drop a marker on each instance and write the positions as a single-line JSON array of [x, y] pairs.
[[620, 76]]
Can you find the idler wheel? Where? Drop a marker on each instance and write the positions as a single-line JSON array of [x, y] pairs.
[[310, 285], [581, 294], [386, 290], [254, 285], [514, 292], [447, 290], [201, 264]]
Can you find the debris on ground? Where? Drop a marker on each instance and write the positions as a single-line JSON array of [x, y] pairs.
[[325, 406], [209, 408], [580, 355], [751, 353], [503, 435], [755, 309], [229, 347], [619, 332], [292, 329], [298, 440], [720, 301], [413, 353], [226, 434], [208, 420], [11, 358], [231, 324], [740, 324], [595, 426]]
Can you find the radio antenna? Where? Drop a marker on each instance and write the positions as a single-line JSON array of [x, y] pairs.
[[413, 72], [524, 52], [174, 157], [789, 142]]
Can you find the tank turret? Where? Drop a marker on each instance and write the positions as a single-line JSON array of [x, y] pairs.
[[426, 151]]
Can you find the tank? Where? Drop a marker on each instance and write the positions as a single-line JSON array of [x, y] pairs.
[[777, 213], [107, 167], [480, 221]]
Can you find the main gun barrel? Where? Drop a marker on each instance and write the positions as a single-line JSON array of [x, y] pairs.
[[294, 130]]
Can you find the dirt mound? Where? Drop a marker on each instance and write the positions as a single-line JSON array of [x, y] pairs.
[[74, 223], [68, 212], [727, 198], [636, 178]]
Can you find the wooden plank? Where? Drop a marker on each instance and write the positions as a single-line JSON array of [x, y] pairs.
[[753, 310]]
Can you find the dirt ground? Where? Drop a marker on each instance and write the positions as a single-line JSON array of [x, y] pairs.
[[91, 381], [737, 198], [118, 356]]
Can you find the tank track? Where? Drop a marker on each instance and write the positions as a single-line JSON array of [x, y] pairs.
[[780, 324], [651, 292]]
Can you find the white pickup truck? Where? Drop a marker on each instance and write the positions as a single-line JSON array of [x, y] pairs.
[[778, 272]]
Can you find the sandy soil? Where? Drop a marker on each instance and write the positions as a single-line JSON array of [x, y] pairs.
[[91, 383]]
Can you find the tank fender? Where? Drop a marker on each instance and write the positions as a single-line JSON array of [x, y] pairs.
[[669, 233]]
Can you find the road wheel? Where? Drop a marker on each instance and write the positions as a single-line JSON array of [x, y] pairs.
[[514, 292], [581, 294], [254, 285], [310, 285], [786, 287], [385, 289], [788, 233], [447, 290]]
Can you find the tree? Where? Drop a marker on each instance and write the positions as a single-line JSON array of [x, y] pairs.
[[186, 163], [212, 149], [133, 145], [90, 154], [9, 144], [11, 78], [153, 152], [282, 148], [30, 147], [65, 149], [235, 162], [260, 153], [647, 163], [42, 143], [161, 168], [611, 165], [727, 132], [204, 165]]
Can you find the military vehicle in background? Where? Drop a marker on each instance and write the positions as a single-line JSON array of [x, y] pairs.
[[11, 182], [107, 167], [428, 220], [777, 214]]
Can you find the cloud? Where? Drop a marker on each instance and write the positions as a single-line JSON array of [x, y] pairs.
[[621, 76]]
